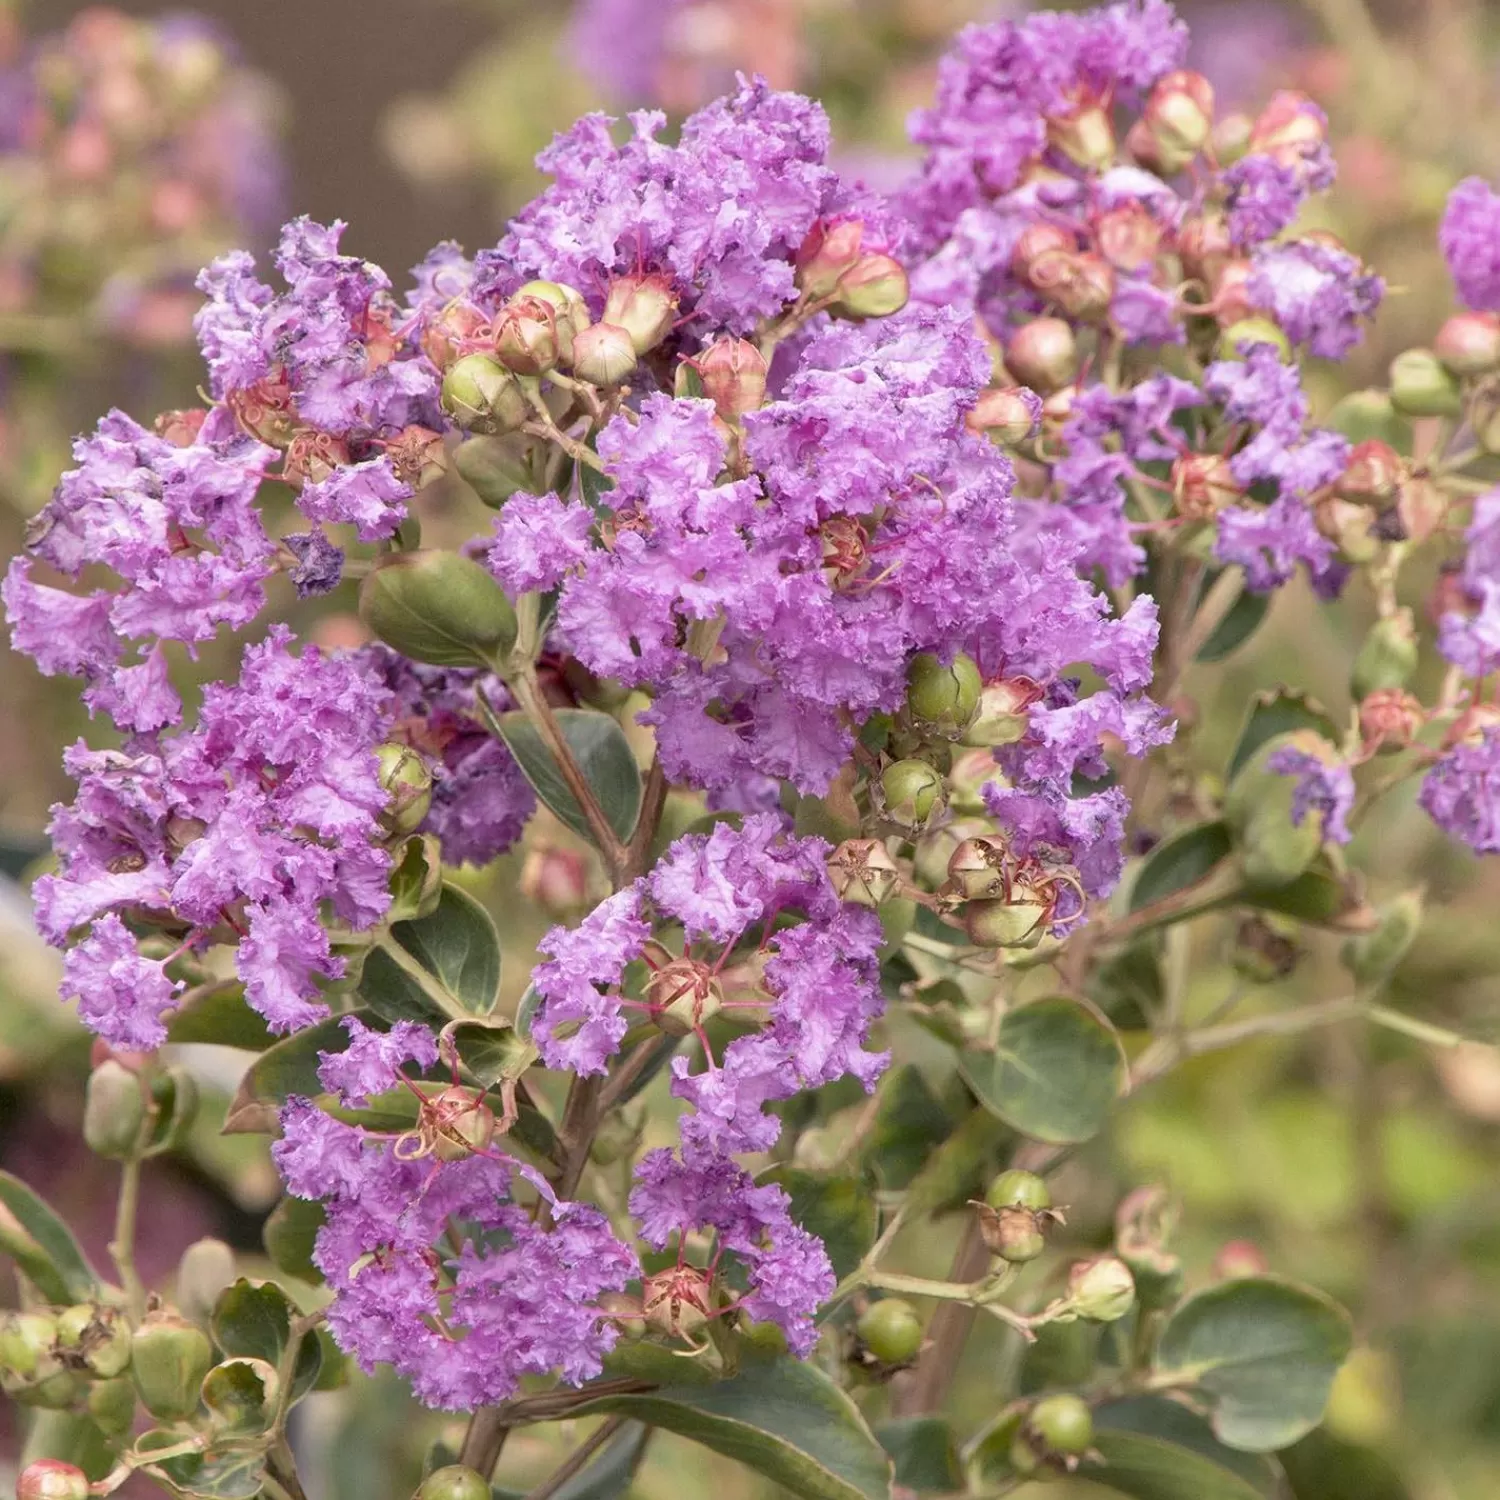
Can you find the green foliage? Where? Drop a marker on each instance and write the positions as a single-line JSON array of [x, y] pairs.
[[603, 756]]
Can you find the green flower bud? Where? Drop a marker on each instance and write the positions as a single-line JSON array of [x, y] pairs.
[[481, 395], [1422, 387], [1245, 334], [874, 287], [603, 354], [52, 1479], [913, 792], [570, 312], [61, 1390], [976, 870], [1179, 112], [1016, 923], [174, 1093], [1004, 713], [829, 251], [1469, 343], [1043, 354], [1231, 137], [1274, 850], [114, 1111], [1018, 1189], [1003, 415], [1061, 1424], [861, 871], [26, 1340], [169, 1358], [942, 697], [454, 1482], [1101, 1290], [439, 608], [1084, 135], [496, 467], [240, 1395], [96, 1337], [1373, 956], [891, 1330], [1387, 656], [111, 1403], [406, 777], [644, 305], [1367, 415], [206, 1268]]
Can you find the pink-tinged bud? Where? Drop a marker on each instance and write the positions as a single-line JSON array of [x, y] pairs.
[[526, 336], [603, 355], [1288, 128], [1231, 138], [1058, 407], [1128, 237], [875, 287], [1373, 474], [1043, 354], [831, 248], [570, 314], [1238, 1258], [1422, 508], [52, 1479], [1469, 343], [733, 374], [1179, 112], [1101, 1290], [977, 869], [1145, 150], [482, 396], [1347, 526], [645, 306], [1007, 415], [556, 880], [862, 872], [453, 329], [181, 428], [1202, 485], [1084, 134], [1036, 249], [1231, 289], [1390, 719], [677, 1302], [1205, 248], [1004, 712]]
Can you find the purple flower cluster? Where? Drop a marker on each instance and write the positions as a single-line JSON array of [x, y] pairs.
[[1470, 239], [1461, 793], [239, 830], [520, 1297], [1470, 636]]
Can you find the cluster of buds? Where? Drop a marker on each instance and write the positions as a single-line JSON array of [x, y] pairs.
[[1009, 901], [838, 273]]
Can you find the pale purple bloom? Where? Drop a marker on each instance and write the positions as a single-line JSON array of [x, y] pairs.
[[1269, 543], [121, 995], [1318, 294], [1264, 196], [1325, 787], [537, 538], [371, 1062], [367, 495], [1470, 638], [1461, 793], [1470, 239]]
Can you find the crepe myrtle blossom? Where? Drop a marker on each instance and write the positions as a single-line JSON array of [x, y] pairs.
[[1461, 793], [238, 830], [1470, 240], [1469, 634], [463, 1321]]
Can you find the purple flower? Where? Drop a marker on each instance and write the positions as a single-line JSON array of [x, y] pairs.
[[1268, 544], [1470, 239], [121, 995], [1264, 196], [1324, 786], [537, 539], [1318, 294], [1461, 793], [1470, 638], [320, 564], [371, 1062]]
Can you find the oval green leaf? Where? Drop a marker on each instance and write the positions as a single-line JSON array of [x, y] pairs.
[[222, 1016], [782, 1418], [1242, 621], [444, 965], [42, 1246], [1156, 1449], [289, 1234], [1180, 861], [1054, 1075], [1264, 1351], [924, 1453], [602, 754], [255, 1321], [839, 1208]]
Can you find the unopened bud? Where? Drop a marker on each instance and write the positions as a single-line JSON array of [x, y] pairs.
[[678, 1301], [942, 696], [912, 792], [496, 467], [1016, 1188], [1422, 387], [1372, 957], [52, 1479], [1387, 656], [863, 873], [1205, 248], [406, 779], [976, 869], [1146, 149], [439, 608], [570, 314], [604, 354], [168, 1359], [114, 1112], [733, 374], [111, 1405], [526, 336], [1014, 1233], [1043, 354], [1232, 302], [1265, 949], [95, 1337], [1084, 134], [645, 306], [1367, 414], [1179, 112], [1469, 343], [1347, 526], [1038, 251], [682, 995], [206, 1268], [1239, 1258], [240, 1395], [1015, 923], [1289, 128], [481, 395], [829, 250], [1128, 237], [1390, 720], [181, 428], [447, 333], [1231, 137], [1202, 485], [1084, 288], [454, 1482], [1144, 1224], [1004, 713], [1101, 1290], [1007, 414], [1239, 338], [1372, 474], [891, 1330], [874, 287], [26, 1340], [1060, 1428]]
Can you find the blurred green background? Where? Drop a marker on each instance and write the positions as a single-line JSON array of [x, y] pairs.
[[1364, 1163]]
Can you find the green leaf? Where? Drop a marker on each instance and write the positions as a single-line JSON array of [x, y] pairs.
[[256, 1322], [959, 1169], [924, 1452], [603, 756], [781, 1417], [1265, 1352], [229, 1473], [839, 1209], [1128, 985], [290, 1067], [909, 1125], [1156, 1449], [222, 1016], [1180, 861], [445, 965], [42, 1246], [417, 879], [609, 1475], [1054, 1075], [1242, 621], [490, 1050], [236, 1393], [1321, 896], [594, 483], [288, 1235], [1278, 711]]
